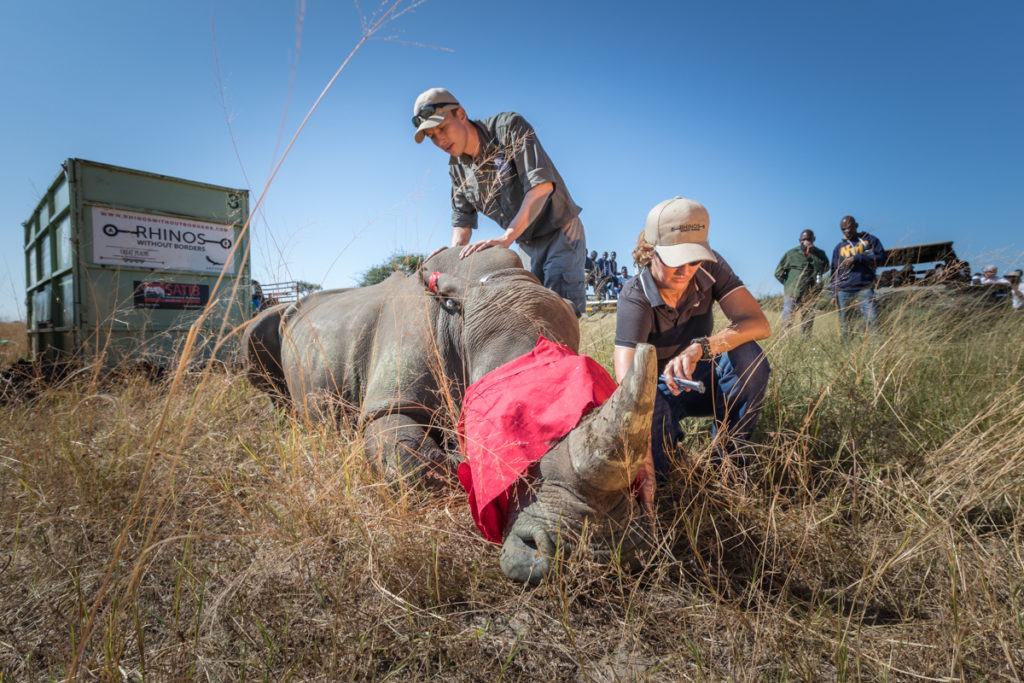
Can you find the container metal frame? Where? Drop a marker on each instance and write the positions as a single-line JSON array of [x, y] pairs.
[[85, 305]]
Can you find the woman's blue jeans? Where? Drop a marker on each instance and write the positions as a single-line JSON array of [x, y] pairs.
[[735, 383]]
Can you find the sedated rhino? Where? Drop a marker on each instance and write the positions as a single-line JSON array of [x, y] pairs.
[[398, 356]]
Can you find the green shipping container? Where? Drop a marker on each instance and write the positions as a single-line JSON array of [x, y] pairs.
[[121, 264]]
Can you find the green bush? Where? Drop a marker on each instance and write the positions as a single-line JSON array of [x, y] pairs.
[[397, 262]]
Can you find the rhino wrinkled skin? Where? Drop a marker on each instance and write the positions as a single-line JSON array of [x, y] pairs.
[[397, 357]]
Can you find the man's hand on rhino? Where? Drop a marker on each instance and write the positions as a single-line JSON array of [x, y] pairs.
[[483, 244], [434, 253]]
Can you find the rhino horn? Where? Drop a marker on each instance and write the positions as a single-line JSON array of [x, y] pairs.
[[608, 448]]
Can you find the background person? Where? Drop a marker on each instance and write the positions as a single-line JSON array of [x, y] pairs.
[[257, 297], [999, 288], [604, 271], [611, 277], [590, 272], [854, 262], [668, 304], [622, 278], [1015, 291], [990, 276], [499, 168], [800, 271]]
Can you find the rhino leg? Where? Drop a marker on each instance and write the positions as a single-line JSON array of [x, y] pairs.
[[401, 447], [262, 346]]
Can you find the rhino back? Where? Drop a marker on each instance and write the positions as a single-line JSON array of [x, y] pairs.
[[368, 347], [410, 358]]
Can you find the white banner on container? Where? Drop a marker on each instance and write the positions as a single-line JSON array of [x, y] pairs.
[[142, 240]]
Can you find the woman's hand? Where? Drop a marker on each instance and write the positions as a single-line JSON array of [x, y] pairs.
[[682, 366]]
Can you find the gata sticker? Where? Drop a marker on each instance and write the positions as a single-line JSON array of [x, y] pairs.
[[170, 295]]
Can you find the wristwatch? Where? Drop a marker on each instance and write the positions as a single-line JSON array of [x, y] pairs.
[[705, 346]]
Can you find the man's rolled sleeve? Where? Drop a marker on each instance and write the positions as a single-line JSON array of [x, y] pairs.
[[463, 213], [535, 167]]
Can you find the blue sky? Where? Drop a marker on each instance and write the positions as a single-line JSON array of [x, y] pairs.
[[777, 116]]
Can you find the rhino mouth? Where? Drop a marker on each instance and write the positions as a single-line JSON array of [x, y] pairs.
[[527, 555], [534, 548]]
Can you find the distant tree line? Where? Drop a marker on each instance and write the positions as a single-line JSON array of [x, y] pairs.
[[398, 261], [302, 288]]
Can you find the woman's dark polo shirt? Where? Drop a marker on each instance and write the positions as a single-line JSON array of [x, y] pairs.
[[643, 316]]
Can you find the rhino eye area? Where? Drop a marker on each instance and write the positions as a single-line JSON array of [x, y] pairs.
[[451, 305]]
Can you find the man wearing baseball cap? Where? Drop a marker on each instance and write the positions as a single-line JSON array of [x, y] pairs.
[[499, 168], [668, 304]]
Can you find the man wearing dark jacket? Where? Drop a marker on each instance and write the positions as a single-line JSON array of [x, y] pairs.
[[854, 262], [800, 271]]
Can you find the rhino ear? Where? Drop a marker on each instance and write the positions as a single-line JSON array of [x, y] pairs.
[[444, 287]]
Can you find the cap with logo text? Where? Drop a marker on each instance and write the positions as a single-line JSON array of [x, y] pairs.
[[678, 230], [438, 101]]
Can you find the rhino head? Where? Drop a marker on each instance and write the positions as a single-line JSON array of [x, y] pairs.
[[499, 311], [584, 480], [491, 310]]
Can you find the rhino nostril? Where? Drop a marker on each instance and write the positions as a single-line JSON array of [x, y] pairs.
[[529, 542]]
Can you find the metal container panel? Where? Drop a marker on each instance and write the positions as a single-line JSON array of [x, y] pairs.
[[121, 264]]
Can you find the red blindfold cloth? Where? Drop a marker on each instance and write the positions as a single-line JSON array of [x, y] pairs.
[[513, 415]]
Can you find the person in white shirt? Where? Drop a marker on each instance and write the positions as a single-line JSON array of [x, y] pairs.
[[990, 276], [1015, 291]]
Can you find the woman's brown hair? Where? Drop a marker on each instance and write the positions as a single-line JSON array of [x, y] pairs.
[[643, 252]]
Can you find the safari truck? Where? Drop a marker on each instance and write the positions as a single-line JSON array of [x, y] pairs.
[[933, 272], [121, 264], [902, 265]]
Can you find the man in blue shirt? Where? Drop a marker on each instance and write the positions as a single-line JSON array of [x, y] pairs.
[[854, 262]]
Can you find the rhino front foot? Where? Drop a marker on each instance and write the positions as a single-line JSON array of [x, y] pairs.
[[403, 449]]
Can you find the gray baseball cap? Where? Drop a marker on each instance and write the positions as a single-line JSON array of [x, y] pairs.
[[430, 108]]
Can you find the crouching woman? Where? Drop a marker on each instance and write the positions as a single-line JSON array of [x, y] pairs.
[[669, 305]]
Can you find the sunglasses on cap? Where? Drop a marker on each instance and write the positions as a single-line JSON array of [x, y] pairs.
[[428, 110]]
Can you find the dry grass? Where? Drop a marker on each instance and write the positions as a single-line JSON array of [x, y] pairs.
[[880, 537], [13, 342]]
